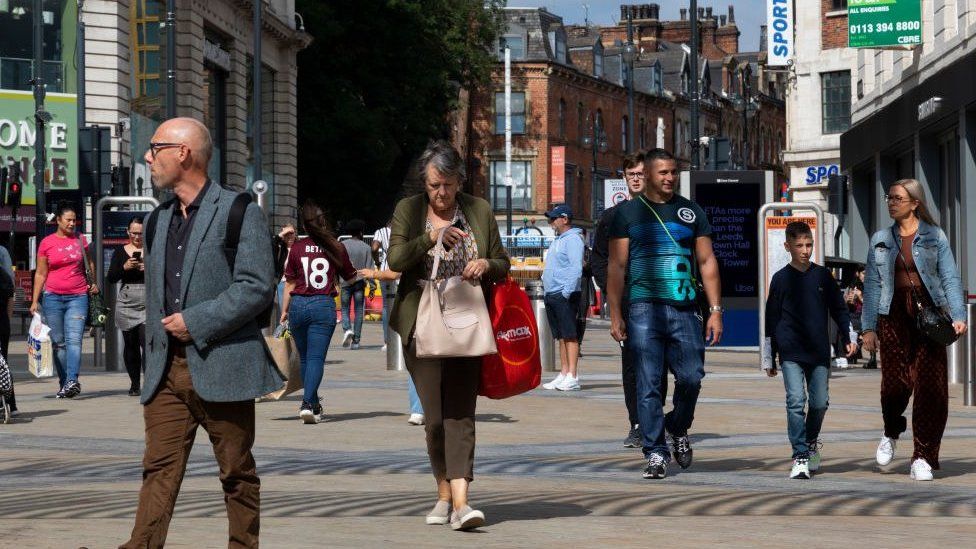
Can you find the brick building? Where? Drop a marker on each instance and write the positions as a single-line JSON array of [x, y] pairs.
[[569, 105]]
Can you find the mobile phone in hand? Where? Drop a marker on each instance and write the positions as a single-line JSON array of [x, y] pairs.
[[137, 256]]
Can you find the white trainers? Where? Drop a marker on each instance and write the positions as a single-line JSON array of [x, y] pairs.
[[921, 470], [801, 469], [416, 419], [886, 450], [569, 383], [555, 381], [347, 338]]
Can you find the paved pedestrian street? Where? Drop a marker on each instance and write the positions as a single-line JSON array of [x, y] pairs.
[[550, 467]]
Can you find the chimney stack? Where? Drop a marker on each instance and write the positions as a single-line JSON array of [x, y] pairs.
[[639, 12], [701, 14], [684, 13], [654, 11], [708, 13], [762, 38], [731, 15], [624, 8], [721, 20]]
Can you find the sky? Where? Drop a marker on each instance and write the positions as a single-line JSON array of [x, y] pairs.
[[749, 14]]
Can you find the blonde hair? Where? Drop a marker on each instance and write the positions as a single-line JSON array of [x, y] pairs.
[[916, 193]]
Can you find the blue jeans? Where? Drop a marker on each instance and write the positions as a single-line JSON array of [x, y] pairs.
[[66, 315], [662, 336], [804, 427], [389, 290], [311, 321], [415, 407], [355, 292]]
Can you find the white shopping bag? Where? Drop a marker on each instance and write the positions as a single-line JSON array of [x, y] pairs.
[[40, 354]]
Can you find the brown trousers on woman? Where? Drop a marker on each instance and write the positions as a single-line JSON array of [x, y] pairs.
[[448, 391], [912, 363]]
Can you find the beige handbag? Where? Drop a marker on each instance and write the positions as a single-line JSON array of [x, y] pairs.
[[452, 319]]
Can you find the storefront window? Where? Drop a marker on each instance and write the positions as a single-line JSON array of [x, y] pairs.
[[17, 45]]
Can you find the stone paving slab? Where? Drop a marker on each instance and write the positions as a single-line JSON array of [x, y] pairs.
[[550, 468]]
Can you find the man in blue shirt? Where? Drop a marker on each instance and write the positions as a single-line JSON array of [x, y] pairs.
[[561, 281]]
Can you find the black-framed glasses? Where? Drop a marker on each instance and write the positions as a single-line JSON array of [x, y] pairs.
[[893, 199], [154, 148], [634, 175]]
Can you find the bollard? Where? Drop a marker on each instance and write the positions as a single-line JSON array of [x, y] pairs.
[[959, 358], [394, 353], [547, 345], [969, 383]]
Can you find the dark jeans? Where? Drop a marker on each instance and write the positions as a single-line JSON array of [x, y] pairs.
[[354, 294], [311, 319], [172, 418], [134, 353], [5, 345], [663, 336]]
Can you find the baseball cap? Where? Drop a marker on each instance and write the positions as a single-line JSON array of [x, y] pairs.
[[560, 210]]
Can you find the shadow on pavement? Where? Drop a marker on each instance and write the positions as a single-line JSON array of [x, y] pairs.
[[334, 418], [494, 418], [27, 417], [536, 510]]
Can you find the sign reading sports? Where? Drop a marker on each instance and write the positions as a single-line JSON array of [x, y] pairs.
[[883, 23]]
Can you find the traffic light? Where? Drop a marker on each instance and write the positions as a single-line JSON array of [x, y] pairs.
[[837, 194], [15, 186]]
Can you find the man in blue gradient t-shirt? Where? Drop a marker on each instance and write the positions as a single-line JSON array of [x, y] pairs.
[[654, 240]]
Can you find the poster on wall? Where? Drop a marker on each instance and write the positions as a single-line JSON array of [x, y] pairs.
[[884, 23], [775, 253], [557, 171]]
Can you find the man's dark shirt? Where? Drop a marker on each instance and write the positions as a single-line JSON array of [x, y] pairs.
[[600, 254], [176, 241]]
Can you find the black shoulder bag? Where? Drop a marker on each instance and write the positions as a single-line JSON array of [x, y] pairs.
[[932, 321]]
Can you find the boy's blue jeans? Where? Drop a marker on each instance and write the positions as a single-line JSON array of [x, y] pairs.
[[66, 315], [311, 321], [356, 294], [415, 406], [806, 403], [661, 336]]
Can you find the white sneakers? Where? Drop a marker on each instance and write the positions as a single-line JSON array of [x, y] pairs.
[[347, 338], [555, 381], [886, 450], [563, 383], [801, 469], [416, 419], [921, 470]]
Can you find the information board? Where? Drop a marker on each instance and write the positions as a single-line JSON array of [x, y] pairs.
[[883, 23], [732, 211], [776, 254], [614, 192]]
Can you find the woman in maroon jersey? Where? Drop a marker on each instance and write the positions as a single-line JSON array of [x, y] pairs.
[[313, 264]]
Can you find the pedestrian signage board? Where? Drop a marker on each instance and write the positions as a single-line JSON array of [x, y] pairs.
[[779, 36], [614, 192], [775, 253], [884, 23], [558, 175]]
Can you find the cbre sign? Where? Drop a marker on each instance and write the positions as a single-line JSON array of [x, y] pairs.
[[884, 23], [779, 38]]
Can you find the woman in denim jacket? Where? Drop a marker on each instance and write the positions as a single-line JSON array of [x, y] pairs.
[[913, 252]]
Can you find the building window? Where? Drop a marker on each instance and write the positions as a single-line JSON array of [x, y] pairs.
[[836, 100], [657, 82], [562, 118], [514, 42], [580, 120], [17, 50], [267, 124], [685, 88], [521, 185], [624, 133], [518, 113], [557, 41], [643, 133], [838, 4], [597, 62]]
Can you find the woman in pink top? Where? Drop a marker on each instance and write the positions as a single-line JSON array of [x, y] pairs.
[[60, 274]]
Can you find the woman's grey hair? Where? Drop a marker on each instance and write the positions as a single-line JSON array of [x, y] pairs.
[[444, 158], [916, 192]]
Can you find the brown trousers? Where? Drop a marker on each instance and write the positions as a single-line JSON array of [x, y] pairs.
[[912, 363], [171, 420], [448, 391]]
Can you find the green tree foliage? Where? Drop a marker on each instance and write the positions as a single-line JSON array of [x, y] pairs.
[[379, 81]]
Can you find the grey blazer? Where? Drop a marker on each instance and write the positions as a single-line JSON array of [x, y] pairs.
[[228, 358]]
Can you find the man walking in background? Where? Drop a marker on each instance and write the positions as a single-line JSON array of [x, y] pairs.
[[353, 292], [561, 282]]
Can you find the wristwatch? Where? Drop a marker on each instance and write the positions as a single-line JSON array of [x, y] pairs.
[[716, 309]]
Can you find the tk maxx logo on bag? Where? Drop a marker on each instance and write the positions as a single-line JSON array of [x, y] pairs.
[[514, 334]]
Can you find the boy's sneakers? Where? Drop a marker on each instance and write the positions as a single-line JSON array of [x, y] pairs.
[[310, 413], [657, 467], [569, 383], [633, 439], [681, 448], [801, 468], [347, 338], [416, 419], [71, 389], [554, 383], [355, 345], [886, 450], [921, 470], [813, 455]]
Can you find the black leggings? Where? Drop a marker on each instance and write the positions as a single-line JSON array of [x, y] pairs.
[[5, 343], [133, 352]]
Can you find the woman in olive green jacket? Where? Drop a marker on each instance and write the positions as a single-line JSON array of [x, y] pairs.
[[448, 388]]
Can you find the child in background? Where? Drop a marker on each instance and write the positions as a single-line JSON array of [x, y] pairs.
[[801, 297]]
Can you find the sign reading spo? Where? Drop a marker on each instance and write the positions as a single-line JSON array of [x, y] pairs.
[[779, 38]]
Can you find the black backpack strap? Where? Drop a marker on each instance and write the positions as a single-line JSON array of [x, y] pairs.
[[235, 222]]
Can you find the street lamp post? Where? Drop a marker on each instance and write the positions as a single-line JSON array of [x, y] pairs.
[[596, 141], [695, 84], [744, 104], [41, 118], [629, 54]]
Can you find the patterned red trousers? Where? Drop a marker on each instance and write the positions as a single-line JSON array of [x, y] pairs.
[[912, 363]]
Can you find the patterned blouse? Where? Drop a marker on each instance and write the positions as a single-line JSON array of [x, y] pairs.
[[454, 260]]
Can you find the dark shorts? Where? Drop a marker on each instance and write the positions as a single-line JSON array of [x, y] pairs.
[[562, 313]]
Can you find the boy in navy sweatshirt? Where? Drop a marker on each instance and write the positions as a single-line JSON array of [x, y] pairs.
[[801, 296]]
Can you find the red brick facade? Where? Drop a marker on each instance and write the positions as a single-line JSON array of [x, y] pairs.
[[718, 37], [833, 28]]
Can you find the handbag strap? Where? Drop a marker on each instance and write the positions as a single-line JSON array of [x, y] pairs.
[[694, 259], [437, 256], [915, 293]]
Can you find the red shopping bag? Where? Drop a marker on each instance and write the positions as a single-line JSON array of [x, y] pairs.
[[517, 367]]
